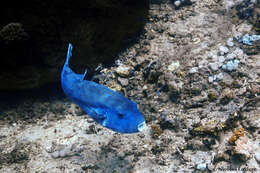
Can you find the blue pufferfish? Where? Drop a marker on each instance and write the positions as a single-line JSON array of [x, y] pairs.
[[107, 107]]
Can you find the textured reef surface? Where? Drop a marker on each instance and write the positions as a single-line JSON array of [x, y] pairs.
[[193, 75]]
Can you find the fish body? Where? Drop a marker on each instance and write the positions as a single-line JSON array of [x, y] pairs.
[[107, 107]]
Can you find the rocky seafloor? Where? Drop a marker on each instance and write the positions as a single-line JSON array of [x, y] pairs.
[[196, 83]]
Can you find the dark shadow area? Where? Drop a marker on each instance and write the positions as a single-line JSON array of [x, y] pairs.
[[34, 36], [49, 91], [12, 100]]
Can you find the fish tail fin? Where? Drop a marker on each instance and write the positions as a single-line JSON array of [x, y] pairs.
[[69, 54]]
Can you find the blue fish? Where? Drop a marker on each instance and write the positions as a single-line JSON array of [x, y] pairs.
[[107, 107]]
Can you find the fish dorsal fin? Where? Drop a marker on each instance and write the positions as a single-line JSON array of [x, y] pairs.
[[85, 73], [69, 54]]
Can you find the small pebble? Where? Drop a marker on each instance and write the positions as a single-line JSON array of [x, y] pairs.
[[221, 59], [193, 70], [211, 79], [123, 70], [220, 76], [228, 4], [239, 52], [230, 56], [173, 66], [231, 65], [123, 81], [211, 54], [177, 3], [223, 50], [214, 66], [230, 42], [55, 154], [257, 156], [215, 58], [63, 153], [202, 166]]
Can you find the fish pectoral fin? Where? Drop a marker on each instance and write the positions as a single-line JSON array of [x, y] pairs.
[[98, 114], [100, 118]]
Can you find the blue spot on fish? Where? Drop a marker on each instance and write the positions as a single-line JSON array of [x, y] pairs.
[[107, 107]]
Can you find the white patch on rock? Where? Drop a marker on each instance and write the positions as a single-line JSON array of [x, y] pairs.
[[123, 70], [174, 66]]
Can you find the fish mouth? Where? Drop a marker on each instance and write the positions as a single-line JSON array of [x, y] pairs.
[[141, 126]]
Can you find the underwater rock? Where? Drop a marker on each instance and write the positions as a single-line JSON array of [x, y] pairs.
[[13, 32], [211, 79], [257, 155], [245, 9], [123, 70], [243, 148], [193, 70], [249, 40], [231, 65], [250, 44], [237, 133], [202, 166], [230, 42], [123, 81], [248, 10], [181, 3], [214, 66], [223, 50], [227, 96], [174, 66]]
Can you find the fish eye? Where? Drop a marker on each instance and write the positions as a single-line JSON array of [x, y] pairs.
[[120, 116]]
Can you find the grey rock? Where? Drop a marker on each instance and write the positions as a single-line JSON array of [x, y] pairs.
[[193, 70], [202, 166], [230, 42], [243, 148], [211, 79], [177, 3], [123, 81], [214, 66], [55, 154], [174, 66], [230, 56], [239, 52], [221, 59], [123, 70], [176, 87], [257, 155], [220, 76], [227, 79], [223, 50], [231, 65]]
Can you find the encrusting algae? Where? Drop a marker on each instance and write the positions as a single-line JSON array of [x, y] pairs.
[[237, 133]]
